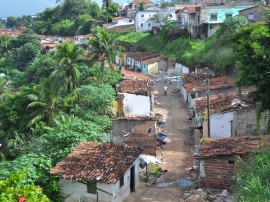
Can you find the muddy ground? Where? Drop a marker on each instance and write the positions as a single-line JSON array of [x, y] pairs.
[[176, 154]]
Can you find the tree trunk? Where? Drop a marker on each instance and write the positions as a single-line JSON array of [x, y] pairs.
[[102, 71]]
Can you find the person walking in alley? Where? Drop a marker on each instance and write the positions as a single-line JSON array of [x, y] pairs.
[[165, 90]]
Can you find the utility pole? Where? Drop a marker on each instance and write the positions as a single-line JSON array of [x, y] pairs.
[[208, 106]]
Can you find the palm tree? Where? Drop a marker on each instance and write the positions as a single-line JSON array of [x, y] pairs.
[[66, 74], [46, 103], [105, 5], [104, 48]]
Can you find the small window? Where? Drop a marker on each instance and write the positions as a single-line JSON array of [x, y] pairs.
[[130, 20], [121, 181], [213, 17], [149, 24], [230, 162], [91, 187], [141, 24], [251, 16], [142, 15], [228, 15]]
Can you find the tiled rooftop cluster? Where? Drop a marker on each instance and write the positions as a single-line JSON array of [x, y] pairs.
[[232, 146], [133, 82], [140, 56], [224, 102], [214, 83], [97, 162]]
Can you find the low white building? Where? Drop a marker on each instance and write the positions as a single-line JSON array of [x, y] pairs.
[[119, 22], [96, 171]]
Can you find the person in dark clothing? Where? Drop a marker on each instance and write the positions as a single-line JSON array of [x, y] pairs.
[[149, 131]]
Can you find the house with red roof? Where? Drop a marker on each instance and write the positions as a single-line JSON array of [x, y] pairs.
[[231, 114], [97, 171], [218, 158]]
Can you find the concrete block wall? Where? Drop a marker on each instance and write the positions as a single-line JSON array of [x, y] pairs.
[[244, 122]]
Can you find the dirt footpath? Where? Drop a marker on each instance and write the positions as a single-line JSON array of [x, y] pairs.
[[177, 151]]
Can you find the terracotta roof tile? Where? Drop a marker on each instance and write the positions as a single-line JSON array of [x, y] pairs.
[[97, 162], [191, 9], [189, 78], [231, 146], [133, 82], [214, 83], [134, 87], [140, 56], [155, 59], [224, 102], [133, 75]]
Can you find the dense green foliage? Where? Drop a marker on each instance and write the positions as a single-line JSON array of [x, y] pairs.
[[49, 103], [253, 179], [253, 50]]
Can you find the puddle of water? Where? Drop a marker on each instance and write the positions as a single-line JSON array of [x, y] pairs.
[[184, 183], [165, 184], [180, 182]]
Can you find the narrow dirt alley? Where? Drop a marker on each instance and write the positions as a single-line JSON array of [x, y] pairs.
[[176, 153]]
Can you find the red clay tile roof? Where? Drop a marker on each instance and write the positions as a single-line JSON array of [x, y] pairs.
[[189, 78], [223, 102], [214, 147], [133, 82], [214, 83], [97, 162], [155, 59], [134, 75], [140, 56], [139, 1], [191, 9], [134, 87]]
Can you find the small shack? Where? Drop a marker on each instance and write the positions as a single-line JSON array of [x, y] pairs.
[[218, 157]]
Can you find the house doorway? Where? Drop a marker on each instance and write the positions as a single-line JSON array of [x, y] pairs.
[[132, 179]]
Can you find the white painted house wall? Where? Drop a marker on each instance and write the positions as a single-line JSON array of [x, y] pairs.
[[123, 21], [77, 191], [144, 19], [179, 69], [136, 105], [220, 124]]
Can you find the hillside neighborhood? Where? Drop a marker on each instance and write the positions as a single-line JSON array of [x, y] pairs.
[[145, 101]]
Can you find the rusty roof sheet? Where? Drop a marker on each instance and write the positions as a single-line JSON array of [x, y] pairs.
[[153, 60], [97, 162], [214, 147], [140, 56], [214, 84], [133, 75]]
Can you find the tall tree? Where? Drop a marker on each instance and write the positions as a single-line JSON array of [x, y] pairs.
[[66, 74], [251, 44], [106, 5], [104, 48]]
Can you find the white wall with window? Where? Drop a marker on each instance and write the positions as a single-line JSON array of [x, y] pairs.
[[83, 191]]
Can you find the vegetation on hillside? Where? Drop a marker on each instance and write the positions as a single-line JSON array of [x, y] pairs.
[[50, 102]]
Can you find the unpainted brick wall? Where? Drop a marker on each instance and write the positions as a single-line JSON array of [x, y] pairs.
[[218, 172]]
